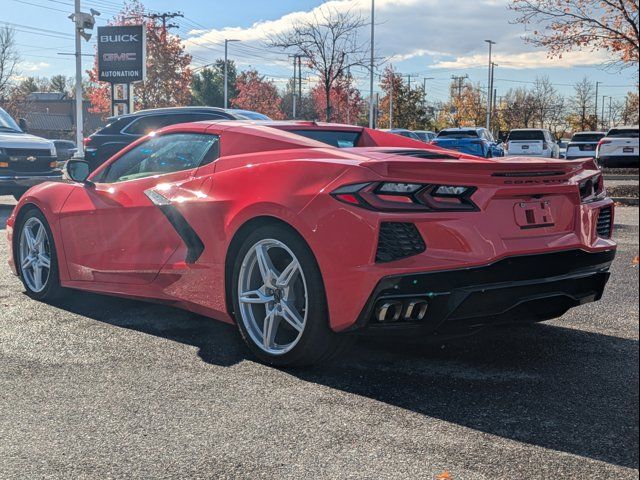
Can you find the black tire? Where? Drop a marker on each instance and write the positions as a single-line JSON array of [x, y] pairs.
[[52, 290], [318, 343]]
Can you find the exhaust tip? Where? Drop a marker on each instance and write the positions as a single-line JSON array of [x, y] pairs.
[[389, 311], [416, 310]]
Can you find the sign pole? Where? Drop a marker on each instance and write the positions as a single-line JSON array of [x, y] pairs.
[[79, 121]]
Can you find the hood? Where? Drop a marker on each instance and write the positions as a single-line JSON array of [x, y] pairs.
[[23, 140]]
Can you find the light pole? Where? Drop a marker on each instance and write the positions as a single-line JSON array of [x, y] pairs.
[[596, 107], [491, 43], [371, 106], [602, 116], [226, 72], [424, 91]]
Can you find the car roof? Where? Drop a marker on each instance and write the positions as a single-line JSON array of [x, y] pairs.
[[453, 129], [167, 110], [590, 132]]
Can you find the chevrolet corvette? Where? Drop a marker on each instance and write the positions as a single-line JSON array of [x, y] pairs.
[[305, 234]]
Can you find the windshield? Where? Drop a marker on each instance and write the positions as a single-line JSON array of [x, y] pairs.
[[8, 123], [587, 137], [526, 135], [250, 115], [623, 132], [458, 134], [336, 138]]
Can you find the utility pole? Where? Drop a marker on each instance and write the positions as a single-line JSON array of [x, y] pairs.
[[294, 88], [602, 117], [300, 80], [489, 86], [391, 100], [459, 80], [490, 92], [596, 107], [226, 70], [424, 91], [610, 119], [163, 17], [371, 99], [79, 119]]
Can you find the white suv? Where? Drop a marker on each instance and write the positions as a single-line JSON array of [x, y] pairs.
[[532, 142], [619, 148]]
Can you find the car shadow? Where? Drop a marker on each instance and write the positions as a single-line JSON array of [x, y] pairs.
[[558, 388]]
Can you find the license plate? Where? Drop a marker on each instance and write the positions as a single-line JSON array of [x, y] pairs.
[[525, 147], [628, 149], [588, 147], [533, 214]]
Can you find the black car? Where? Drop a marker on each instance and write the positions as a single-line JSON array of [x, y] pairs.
[[122, 130], [65, 149]]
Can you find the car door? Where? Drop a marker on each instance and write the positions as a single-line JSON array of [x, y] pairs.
[[112, 232]]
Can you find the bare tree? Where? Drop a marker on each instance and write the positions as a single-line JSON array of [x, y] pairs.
[[565, 25], [583, 104], [9, 59], [548, 103], [329, 43]]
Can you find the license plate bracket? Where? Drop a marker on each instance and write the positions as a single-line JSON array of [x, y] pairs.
[[627, 149], [535, 214]]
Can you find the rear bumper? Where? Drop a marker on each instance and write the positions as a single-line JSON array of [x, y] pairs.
[[525, 288], [619, 161], [16, 183]]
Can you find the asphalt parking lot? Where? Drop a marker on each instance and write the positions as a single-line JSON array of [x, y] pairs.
[[98, 387]]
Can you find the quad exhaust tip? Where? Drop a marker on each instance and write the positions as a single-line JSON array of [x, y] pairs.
[[410, 310]]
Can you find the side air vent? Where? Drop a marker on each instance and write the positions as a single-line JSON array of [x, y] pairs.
[[604, 222], [398, 240]]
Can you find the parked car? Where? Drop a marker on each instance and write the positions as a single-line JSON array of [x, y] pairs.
[[532, 142], [562, 147], [583, 145], [25, 160], [421, 248], [65, 149], [122, 130], [472, 140], [403, 132], [619, 148], [425, 135]]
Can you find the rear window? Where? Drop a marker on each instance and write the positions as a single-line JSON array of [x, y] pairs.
[[458, 134], [335, 138], [526, 135], [623, 132], [587, 137], [150, 123]]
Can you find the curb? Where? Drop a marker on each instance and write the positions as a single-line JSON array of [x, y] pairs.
[[627, 201], [621, 177]]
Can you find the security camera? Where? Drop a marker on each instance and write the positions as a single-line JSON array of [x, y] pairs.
[[95, 13]]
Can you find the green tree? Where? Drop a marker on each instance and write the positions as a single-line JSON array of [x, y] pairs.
[[207, 86], [59, 83]]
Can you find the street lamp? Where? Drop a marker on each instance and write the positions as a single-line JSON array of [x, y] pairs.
[[371, 107], [226, 73], [491, 43]]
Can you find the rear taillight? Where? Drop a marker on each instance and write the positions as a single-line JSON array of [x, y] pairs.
[[592, 189], [604, 142], [86, 140], [405, 197]]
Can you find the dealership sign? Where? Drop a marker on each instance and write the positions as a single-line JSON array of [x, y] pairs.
[[121, 54]]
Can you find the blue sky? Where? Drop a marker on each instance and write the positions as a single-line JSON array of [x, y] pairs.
[[427, 38]]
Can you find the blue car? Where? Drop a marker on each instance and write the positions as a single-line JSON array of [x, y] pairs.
[[471, 140]]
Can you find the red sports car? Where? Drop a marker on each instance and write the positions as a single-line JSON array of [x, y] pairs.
[[303, 233]]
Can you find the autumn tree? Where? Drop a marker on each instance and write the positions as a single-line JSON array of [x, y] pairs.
[[168, 66], [347, 104], [565, 25], [328, 41], [630, 111], [306, 107], [406, 104], [207, 86], [257, 94]]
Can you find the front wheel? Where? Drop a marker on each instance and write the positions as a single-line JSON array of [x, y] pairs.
[[36, 257], [279, 300]]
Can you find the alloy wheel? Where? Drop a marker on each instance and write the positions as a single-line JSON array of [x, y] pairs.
[[273, 296], [35, 254]]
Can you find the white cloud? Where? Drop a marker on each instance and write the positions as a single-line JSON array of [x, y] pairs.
[[444, 33], [32, 66]]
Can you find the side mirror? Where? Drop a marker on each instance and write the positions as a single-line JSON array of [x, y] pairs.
[[23, 124], [78, 171]]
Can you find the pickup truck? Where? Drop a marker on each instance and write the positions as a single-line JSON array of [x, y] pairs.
[[25, 160]]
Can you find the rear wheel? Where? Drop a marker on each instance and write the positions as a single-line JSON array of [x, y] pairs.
[[279, 300], [36, 257]]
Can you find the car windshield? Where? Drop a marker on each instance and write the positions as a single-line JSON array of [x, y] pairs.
[[526, 135], [623, 132], [336, 138], [458, 134], [250, 115], [587, 137], [8, 123]]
